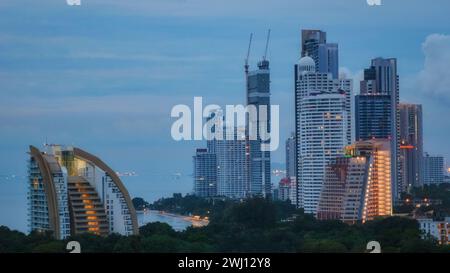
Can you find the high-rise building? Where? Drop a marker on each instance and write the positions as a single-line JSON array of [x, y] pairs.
[[205, 173], [311, 39], [372, 116], [222, 169], [291, 167], [343, 188], [377, 112], [72, 191], [325, 55], [232, 163], [411, 146], [357, 186], [322, 128], [433, 169], [284, 189], [258, 95], [329, 59]]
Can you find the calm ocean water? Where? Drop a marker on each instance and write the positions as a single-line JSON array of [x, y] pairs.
[[177, 222]]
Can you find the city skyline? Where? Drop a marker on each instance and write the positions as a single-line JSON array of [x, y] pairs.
[[333, 180], [129, 79]]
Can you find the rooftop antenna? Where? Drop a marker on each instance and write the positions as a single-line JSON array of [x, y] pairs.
[[248, 53], [267, 45]]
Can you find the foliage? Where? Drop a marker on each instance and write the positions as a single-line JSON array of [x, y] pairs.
[[139, 203], [190, 204], [253, 225], [439, 192]]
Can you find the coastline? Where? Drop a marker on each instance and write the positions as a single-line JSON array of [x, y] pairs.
[[177, 221]]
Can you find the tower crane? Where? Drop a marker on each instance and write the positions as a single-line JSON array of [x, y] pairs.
[[267, 45], [248, 53]]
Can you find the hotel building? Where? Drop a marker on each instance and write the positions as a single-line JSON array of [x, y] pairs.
[[72, 191], [357, 186]]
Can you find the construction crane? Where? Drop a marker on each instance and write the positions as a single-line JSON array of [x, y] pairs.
[[248, 53], [267, 45], [246, 64]]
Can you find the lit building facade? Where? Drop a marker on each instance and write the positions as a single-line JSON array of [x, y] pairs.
[[72, 191], [377, 112], [357, 186]]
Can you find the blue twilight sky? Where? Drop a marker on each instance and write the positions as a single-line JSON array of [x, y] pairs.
[[104, 75]]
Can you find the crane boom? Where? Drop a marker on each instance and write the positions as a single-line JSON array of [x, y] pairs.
[[248, 52], [267, 45]]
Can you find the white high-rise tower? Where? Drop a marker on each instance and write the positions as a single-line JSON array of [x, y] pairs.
[[323, 127]]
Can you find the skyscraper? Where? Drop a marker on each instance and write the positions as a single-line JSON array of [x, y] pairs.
[[205, 173], [377, 112], [258, 95], [311, 39], [222, 169], [357, 186], [329, 59], [322, 128], [325, 55], [73, 192], [291, 167], [232, 164], [411, 145], [433, 169]]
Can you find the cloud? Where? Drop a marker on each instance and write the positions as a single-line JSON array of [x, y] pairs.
[[434, 79], [356, 76]]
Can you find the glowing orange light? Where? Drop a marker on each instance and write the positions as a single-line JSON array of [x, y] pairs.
[[407, 147]]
